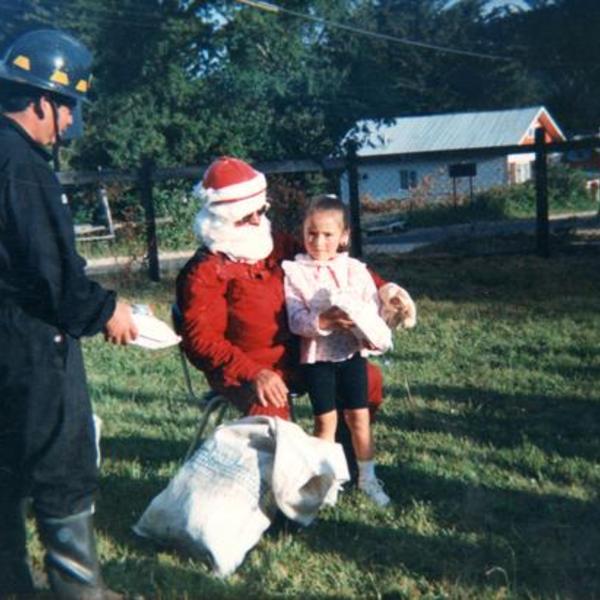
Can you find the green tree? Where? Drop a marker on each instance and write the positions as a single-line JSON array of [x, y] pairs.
[[558, 44], [183, 81]]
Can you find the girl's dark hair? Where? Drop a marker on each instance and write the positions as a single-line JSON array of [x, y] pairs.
[[329, 202]]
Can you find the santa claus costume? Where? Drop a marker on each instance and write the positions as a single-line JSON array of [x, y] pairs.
[[231, 295]]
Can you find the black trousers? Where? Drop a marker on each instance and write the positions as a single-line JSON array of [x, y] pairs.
[[47, 444], [337, 385]]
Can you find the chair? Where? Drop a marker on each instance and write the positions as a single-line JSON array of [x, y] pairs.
[[211, 403]]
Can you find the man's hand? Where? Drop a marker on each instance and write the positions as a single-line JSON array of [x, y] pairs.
[[121, 328], [270, 388], [335, 318]]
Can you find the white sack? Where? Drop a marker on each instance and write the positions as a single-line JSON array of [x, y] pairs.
[[223, 498]]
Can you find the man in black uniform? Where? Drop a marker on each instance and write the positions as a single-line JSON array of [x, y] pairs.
[[47, 448]]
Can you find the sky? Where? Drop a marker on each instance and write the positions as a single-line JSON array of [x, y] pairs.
[[516, 3], [491, 4]]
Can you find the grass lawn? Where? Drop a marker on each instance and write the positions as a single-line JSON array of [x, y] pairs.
[[488, 443]]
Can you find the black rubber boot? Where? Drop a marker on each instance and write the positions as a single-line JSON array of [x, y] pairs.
[[15, 576], [71, 560]]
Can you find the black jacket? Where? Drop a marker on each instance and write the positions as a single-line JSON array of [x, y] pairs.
[[47, 447], [40, 270]]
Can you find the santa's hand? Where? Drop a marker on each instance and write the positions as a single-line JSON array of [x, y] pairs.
[[335, 318], [398, 308], [270, 388]]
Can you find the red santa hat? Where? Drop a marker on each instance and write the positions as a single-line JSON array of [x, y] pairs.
[[232, 189]]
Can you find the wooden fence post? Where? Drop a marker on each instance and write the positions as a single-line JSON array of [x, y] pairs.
[[104, 203], [146, 184], [354, 198], [541, 194]]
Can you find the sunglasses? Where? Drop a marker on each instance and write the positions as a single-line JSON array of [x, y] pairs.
[[248, 218]]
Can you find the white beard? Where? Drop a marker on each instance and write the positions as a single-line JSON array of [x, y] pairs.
[[248, 243]]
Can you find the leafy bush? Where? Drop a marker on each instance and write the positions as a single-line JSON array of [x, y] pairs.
[[567, 189], [176, 208], [289, 197]]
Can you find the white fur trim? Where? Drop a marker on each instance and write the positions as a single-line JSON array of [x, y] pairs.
[[390, 313], [233, 210], [248, 243], [239, 191], [235, 192]]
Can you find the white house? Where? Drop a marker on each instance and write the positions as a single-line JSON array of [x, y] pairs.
[[438, 154]]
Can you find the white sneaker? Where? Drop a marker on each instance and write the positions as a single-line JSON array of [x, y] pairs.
[[374, 489]]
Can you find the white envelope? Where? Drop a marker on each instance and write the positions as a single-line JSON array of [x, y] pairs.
[[154, 334]]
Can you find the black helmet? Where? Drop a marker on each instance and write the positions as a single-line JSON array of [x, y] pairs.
[[48, 59]]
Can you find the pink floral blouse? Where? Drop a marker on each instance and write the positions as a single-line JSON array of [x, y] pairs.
[[311, 287]]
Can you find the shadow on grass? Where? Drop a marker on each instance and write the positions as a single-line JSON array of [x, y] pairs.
[[177, 397], [541, 544], [546, 542], [121, 503], [583, 352], [123, 498], [147, 451], [587, 372], [495, 278], [547, 545], [567, 426], [144, 578]]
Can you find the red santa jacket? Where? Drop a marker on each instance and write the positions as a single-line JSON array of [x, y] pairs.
[[235, 322]]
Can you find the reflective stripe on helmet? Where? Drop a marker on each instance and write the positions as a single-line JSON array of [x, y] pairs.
[[22, 62]]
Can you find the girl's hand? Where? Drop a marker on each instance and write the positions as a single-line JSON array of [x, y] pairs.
[[335, 318]]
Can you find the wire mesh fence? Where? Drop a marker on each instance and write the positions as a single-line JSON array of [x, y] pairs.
[[513, 199], [489, 200]]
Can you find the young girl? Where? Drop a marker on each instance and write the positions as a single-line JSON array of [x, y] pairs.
[[332, 303]]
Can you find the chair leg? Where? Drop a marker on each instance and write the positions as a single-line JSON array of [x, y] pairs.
[[292, 396], [221, 414], [186, 375], [191, 394], [216, 403]]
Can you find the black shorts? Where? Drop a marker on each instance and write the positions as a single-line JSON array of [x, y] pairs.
[[337, 385]]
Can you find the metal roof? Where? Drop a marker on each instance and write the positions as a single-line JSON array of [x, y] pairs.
[[454, 131]]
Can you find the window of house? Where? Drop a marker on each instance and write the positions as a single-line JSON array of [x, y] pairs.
[[523, 172], [408, 179]]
